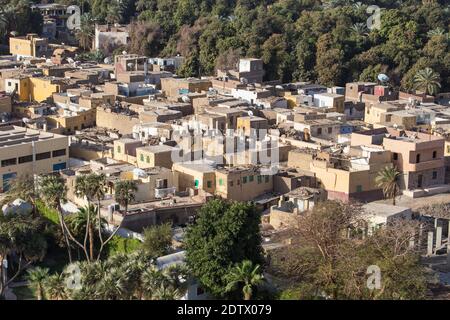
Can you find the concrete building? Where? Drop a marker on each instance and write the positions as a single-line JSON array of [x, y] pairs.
[[242, 183], [109, 37], [173, 88], [28, 46], [155, 156], [418, 156], [250, 70], [331, 101], [30, 151], [292, 204]]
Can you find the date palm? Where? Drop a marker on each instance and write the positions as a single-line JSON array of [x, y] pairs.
[[87, 186], [387, 179], [55, 287], [247, 275], [124, 192], [53, 191], [428, 81], [85, 34], [37, 278]]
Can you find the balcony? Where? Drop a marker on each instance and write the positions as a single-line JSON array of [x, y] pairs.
[[165, 192], [426, 165]]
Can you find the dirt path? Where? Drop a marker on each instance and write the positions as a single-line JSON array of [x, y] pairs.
[[414, 204]]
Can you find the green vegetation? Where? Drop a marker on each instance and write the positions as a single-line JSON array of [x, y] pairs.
[[119, 245], [323, 41], [46, 212], [158, 240], [225, 233], [333, 258], [388, 179]]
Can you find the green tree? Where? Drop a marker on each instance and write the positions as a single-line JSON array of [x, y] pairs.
[[427, 81], [247, 275], [223, 234], [37, 278], [333, 258], [157, 240], [22, 187], [387, 179], [21, 243]]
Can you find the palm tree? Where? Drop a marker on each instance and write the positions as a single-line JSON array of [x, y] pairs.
[[124, 192], [99, 191], [55, 287], [360, 29], [427, 81], [53, 191], [86, 32], [37, 278], [387, 180], [87, 186], [246, 274]]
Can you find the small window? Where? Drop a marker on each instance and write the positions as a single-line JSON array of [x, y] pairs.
[[196, 183], [142, 157], [9, 162], [25, 159], [259, 179], [266, 179], [448, 149], [330, 129], [418, 158], [43, 155], [250, 178], [148, 159], [319, 131], [434, 175], [359, 188], [119, 149], [209, 184], [434, 154], [395, 156], [59, 153], [244, 179], [220, 182]]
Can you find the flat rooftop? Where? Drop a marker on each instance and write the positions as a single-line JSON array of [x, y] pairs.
[[14, 135]]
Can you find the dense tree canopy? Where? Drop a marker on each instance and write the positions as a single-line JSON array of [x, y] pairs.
[[223, 235], [301, 39]]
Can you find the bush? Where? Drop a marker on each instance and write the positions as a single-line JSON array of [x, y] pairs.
[[122, 245], [46, 212]]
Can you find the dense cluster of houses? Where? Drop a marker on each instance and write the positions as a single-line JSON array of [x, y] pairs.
[[284, 146]]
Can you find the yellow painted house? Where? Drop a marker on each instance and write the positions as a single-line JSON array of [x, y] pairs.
[[38, 89]]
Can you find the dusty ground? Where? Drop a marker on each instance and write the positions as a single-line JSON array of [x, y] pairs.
[[414, 204]]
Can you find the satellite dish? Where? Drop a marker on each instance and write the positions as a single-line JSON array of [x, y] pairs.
[[186, 99], [130, 65], [383, 78], [107, 60], [250, 113], [26, 120], [124, 52], [70, 60], [279, 87]]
